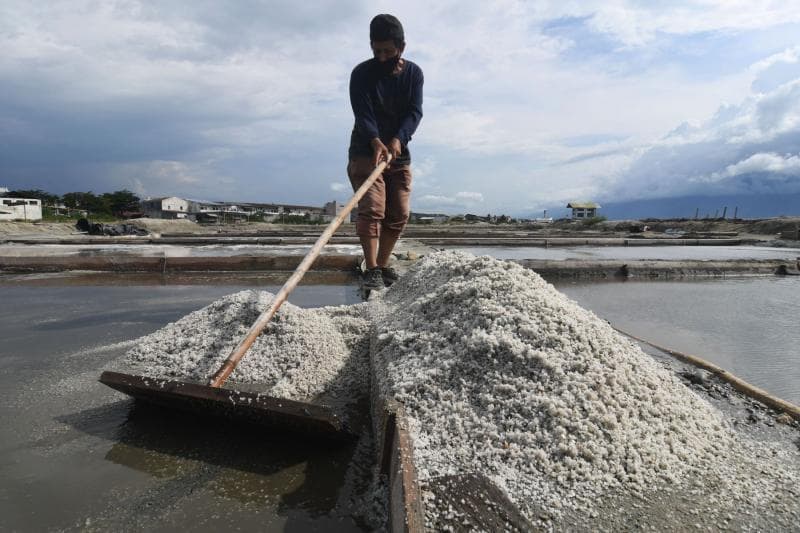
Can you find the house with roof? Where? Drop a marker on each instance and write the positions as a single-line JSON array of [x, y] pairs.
[[20, 209], [583, 210], [165, 207]]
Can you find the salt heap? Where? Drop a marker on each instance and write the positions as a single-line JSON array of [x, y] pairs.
[[502, 374], [301, 354]]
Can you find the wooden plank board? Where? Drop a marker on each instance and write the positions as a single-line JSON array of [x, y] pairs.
[[405, 503], [241, 406]]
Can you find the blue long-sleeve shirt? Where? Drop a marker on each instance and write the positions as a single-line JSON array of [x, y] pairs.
[[385, 106]]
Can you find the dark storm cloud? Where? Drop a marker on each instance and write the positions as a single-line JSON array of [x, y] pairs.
[[89, 86], [248, 99]]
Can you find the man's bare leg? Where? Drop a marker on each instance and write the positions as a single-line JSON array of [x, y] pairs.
[[370, 246], [388, 239]]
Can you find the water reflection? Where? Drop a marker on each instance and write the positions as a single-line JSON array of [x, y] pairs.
[[185, 453], [674, 253], [167, 250], [105, 464], [747, 325]]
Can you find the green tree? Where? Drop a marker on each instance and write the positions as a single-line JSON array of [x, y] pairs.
[[44, 196], [119, 201], [87, 201], [73, 200]]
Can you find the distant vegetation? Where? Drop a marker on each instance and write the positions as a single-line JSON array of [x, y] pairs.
[[298, 219], [593, 221], [469, 218], [78, 204]]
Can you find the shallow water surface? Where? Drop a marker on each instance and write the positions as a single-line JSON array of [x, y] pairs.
[[748, 326], [167, 250], [673, 253], [75, 455]]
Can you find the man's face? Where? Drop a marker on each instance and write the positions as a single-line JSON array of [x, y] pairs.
[[385, 50]]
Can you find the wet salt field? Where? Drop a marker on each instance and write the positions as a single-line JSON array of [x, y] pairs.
[[75, 455], [672, 253], [103, 464], [167, 250], [747, 326]]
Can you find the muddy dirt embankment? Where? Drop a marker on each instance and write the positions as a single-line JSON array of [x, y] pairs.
[[780, 228]]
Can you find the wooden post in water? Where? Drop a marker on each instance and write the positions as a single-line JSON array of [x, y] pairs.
[[724, 211], [735, 212]]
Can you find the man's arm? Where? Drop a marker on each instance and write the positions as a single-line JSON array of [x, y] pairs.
[[412, 119], [360, 101], [364, 114]]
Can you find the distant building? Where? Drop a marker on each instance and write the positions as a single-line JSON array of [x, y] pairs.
[[427, 218], [271, 212], [313, 213], [20, 208], [59, 209], [224, 212], [431, 219], [332, 208], [583, 210], [544, 219], [204, 210], [168, 207], [202, 206]]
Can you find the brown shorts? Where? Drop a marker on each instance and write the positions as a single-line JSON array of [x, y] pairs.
[[386, 204]]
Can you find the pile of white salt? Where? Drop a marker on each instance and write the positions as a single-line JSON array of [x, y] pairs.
[[500, 374], [301, 354]]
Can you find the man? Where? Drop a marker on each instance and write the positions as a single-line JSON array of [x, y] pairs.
[[386, 96]]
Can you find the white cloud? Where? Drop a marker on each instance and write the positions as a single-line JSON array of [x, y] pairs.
[[338, 187], [789, 55], [212, 99], [177, 172], [165, 178], [458, 202], [737, 151], [466, 130], [432, 199], [638, 23], [469, 197], [767, 163], [423, 168]]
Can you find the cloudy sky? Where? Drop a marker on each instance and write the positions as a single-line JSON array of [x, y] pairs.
[[528, 104]]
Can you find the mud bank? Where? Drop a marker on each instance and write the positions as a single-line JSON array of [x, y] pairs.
[[655, 269], [118, 263], [550, 269]]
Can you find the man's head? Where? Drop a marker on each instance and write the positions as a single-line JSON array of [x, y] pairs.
[[386, 37]]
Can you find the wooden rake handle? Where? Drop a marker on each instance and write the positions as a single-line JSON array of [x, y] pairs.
[[219, 378]]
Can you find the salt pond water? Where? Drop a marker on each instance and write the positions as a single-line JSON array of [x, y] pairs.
[[75, 455], [748, 326], [65, 432], [674, 253], [167, 250]]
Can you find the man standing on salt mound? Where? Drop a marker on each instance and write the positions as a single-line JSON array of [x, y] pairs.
[[386, 96]]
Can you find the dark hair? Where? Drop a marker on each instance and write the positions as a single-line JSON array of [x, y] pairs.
[[385, 28]]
